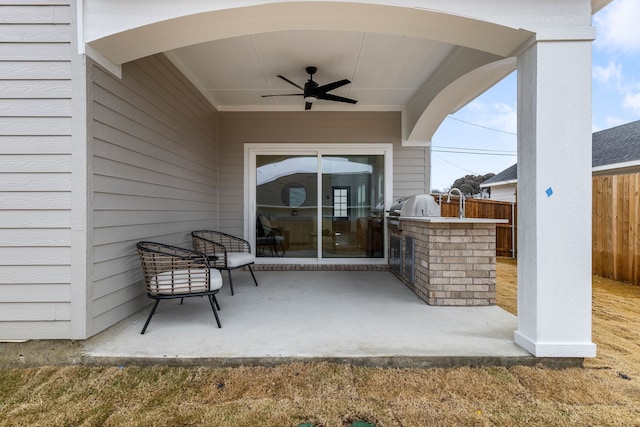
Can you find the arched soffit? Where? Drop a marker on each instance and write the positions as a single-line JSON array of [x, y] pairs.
[[179, 31], [466, 79]]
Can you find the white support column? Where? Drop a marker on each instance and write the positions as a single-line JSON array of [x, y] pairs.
[[554, 198], [81, 260]]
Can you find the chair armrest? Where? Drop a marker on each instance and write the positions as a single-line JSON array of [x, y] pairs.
[[215, 252], [171, 270], [160, 250], [230, 242]]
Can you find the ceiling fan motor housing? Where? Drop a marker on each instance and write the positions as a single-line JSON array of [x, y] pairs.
[[309, 90]]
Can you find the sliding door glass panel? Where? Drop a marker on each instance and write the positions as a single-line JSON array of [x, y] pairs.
[[287, 210], [352, 206]]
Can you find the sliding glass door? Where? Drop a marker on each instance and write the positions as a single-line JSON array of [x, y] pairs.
[[286, 202], [319, 205], [352, 200]]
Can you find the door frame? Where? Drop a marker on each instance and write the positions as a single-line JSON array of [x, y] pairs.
[[251, 150]]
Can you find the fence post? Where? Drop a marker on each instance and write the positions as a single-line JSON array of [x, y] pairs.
[[513, 232]]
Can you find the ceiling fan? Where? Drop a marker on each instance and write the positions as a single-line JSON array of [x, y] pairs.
[[312, 91]]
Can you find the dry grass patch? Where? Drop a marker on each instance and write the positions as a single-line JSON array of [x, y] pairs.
[[606, 392], [506, 284]]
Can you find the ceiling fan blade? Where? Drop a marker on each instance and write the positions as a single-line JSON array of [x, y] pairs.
[[307, 105], [290, 82], [283, 94], [329, 97], [331, 86]]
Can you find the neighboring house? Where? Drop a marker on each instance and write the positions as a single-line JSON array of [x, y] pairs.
[[502, 186], [617, 150], [133, 120], [614, 151]]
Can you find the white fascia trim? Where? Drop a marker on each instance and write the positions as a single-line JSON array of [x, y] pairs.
[[410, 143], [114, 69], [624, 165], [495, 184], [406, 141], [555, 34], [566, 34], [569, 349]]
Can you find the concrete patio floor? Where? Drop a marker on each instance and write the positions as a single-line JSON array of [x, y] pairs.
[[347, 316]]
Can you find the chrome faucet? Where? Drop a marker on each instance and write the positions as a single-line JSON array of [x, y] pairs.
[[461, 208]]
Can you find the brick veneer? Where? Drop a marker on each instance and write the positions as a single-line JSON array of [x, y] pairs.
[[455, 263]]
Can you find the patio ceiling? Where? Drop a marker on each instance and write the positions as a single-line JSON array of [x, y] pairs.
[[233, 56], [385, 70], [424, 63]]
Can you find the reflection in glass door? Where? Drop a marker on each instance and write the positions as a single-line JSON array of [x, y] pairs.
[[286, 201], [352, 204], [349, 223]]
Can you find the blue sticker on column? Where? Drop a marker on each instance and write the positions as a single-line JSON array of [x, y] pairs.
[[549, 192]]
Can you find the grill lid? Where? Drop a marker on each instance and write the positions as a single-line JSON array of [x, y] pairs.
[[397, 208], [420, 205]]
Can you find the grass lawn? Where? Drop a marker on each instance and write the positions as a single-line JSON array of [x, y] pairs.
[[606, 391]]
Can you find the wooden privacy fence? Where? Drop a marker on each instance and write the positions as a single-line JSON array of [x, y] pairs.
[[616, 227], [506, 234]]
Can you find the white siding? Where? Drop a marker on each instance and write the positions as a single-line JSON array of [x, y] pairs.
[[411, 171], [410, 164], [504, 193], [35, 177], [155, 175]]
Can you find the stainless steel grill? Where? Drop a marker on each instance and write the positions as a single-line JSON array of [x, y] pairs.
[[420, 205]]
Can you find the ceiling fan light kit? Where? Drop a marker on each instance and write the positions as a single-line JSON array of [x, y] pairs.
[[311, 91]]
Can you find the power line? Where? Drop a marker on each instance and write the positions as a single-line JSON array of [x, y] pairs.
[[481, 126], [473, 149], [459, 167], [474, 153]]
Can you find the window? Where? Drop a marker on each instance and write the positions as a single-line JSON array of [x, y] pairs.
[[340, 202]]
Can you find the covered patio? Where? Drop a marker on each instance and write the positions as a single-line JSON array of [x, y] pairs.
[[145, 120], [364, 317]]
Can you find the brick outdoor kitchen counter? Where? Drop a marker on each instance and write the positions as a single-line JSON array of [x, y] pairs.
[[446, 261]]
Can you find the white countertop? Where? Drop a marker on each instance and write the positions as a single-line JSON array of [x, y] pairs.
[[444, 219]]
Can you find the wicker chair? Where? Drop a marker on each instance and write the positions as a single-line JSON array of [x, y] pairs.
[[269, 237], [226, 252], [173, 272]]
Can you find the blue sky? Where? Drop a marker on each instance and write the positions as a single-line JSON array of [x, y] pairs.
[[488, 124]]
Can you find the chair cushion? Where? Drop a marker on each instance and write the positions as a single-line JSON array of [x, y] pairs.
[[184, 282], [265, 224], [238, 259], [216, 280]]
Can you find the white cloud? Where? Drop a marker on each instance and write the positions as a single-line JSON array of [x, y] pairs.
[[612, 73], [632, 101], [506, 117], [613, 122], [498, 116], [618, 27], [629, 91]]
